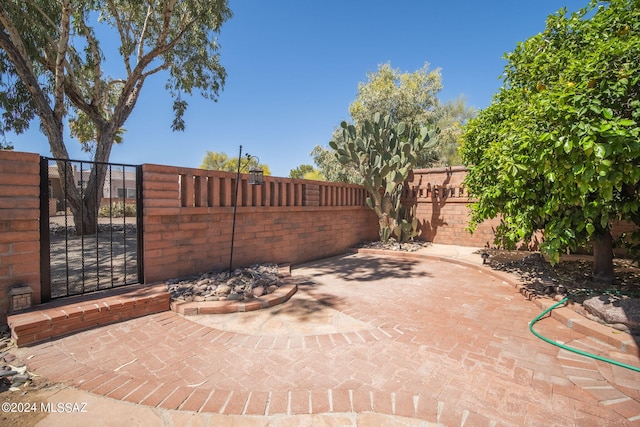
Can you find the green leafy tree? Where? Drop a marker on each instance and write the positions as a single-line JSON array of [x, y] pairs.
[[404, 97], [452, 117], [222, 162], [300, 171], [307, 172], [314, 175], [332, 170], [558, 150], [52, 66], [384, 154]]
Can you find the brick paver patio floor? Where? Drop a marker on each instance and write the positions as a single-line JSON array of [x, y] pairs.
[[428, 340]]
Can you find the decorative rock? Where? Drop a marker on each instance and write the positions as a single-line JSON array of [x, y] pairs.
[[19, 379], [248, 282], [614, 310], [235, 281], [223, 290], [264, 282], [235, 297]]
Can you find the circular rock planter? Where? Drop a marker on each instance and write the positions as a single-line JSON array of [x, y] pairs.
[[246, 289]]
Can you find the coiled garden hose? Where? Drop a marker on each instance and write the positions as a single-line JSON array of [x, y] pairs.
[[571, 349]]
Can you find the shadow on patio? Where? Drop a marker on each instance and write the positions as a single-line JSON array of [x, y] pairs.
[[363, 268]]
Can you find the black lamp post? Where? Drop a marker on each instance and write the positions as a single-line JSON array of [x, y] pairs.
[[256, 177]]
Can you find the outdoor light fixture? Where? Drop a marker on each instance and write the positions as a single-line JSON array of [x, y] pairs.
[[256, 177]]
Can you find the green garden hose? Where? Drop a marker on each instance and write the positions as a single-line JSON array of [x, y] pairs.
[[574, 350]]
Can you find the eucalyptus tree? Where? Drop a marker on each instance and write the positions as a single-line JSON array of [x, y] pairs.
[[53, 65], [452, 118], [558, 150], [406, 97]]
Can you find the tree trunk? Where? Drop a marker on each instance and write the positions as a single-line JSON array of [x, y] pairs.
[[603, 257], [86, 218]]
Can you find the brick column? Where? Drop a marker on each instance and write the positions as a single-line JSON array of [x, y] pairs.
[[311, 195], [19, 226]]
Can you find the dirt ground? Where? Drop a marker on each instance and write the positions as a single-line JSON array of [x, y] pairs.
[[572, 275], [23, 406]]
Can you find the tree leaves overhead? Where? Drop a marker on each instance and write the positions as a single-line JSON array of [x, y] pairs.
[[559, 147]]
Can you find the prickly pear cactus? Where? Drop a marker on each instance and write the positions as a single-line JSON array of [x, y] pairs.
[[406, 228], [385, 154]]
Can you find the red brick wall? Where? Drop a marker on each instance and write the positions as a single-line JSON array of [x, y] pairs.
[[442, 208], [443, 212], [188, 217], [19, 225]]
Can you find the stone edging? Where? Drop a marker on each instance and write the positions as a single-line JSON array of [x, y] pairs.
[[280, 295], [622, 341]]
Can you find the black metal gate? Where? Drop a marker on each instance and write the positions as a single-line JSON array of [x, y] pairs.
[[108, 253]]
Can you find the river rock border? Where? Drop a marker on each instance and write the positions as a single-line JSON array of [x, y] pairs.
[[279, 296]]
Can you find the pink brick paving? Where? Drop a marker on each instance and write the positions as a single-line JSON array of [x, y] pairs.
[[442, 343]]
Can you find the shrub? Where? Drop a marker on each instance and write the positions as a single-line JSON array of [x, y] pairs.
[[117, 210]]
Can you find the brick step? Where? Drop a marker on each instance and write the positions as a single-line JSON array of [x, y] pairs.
[[73, 314]]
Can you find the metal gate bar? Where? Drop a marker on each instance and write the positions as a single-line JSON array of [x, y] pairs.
[[73, 264]]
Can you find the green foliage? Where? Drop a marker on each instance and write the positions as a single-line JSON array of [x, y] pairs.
[[314, 175], [452, 116], [331, 169], [52, 65], [307, 172], [222, 162], [300, 171], [384, 154], [558, 149], [404, 97], [117, 210]]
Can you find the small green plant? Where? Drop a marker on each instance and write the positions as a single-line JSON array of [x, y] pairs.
[[117, 210]]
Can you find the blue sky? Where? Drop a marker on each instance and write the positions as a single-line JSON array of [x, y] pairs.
[[294, 67]]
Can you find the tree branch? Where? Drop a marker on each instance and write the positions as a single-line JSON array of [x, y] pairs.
[[14, 38], [61, 54], [51, 126], [122, 33], [97, 61], [143, 33]]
